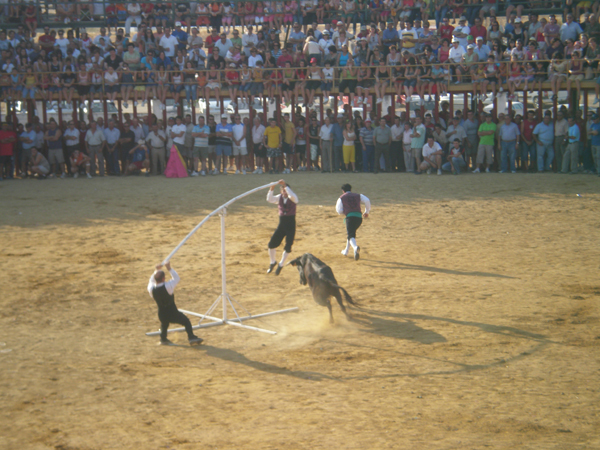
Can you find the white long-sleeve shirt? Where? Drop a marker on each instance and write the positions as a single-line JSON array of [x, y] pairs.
[[170, 285], [275, 198], [339, 207]]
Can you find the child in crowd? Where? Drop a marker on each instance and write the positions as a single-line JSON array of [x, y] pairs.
[[126, 84], [111, 84], [515, 76]]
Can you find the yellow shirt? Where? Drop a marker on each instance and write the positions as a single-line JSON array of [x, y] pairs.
[[273, 134], [288, 132]]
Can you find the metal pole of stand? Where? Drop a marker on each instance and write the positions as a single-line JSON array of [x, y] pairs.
[[223, 270]]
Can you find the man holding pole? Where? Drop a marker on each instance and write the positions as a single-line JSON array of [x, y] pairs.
[[163, 294], [286, 202]]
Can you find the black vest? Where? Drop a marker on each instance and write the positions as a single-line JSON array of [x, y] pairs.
[[162, 297]]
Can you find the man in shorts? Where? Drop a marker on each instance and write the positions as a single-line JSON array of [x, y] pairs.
[[224, 141], [272, 140], [39, 164], [240, 149], [79, 160], [55, 149], [200, 151]]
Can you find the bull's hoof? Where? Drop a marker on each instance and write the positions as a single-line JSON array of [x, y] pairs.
[[271, 266]]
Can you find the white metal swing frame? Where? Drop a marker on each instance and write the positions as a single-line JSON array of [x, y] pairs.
[[224, 298]]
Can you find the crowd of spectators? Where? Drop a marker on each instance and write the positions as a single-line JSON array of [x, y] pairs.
[[340, 142], [286, 50]]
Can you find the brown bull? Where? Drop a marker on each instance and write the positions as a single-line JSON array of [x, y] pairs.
[[321, 281]]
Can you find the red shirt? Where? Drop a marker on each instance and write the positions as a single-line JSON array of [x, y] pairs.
[[283, 59], [446, 32], [210, 41], [45, 40], [528, 129], [6, 148], [478, 31]]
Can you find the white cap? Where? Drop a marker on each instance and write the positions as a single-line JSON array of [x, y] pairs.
[[177, 24], [224, 116]]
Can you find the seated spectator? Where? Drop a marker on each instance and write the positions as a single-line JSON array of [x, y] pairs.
[[79, 161], [455, 158]]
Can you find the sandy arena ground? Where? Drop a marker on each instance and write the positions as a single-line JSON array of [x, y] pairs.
[[478, 327]]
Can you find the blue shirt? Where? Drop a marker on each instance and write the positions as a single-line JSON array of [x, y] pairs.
[[574, 134], [31, 135], [390, 34], [545, 133], [139, 154], [182, 36], [482, 52], [224, 140], [595, 138], [146, 61], [200, 141], [338, 135]]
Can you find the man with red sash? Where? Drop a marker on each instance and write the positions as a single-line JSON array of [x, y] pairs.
[[349, 205], [286, 202]]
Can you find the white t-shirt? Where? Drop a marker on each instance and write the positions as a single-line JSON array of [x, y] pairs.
[[114, 77], [178, 129], [325, 132], [169, 44], [238, 132], [74, 133], [427, 150], [397, 132]]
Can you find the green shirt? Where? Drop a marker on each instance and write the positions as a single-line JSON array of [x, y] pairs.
[[489, 139], [420, 141]]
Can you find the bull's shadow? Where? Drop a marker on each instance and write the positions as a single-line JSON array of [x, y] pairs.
[[397, 329]]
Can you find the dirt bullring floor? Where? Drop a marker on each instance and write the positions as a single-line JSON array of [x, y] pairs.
[[478, 326]]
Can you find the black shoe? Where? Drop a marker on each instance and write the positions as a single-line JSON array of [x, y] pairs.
[[271, 267], [278, 271], [357, 254], [195, 341], [165, 342]]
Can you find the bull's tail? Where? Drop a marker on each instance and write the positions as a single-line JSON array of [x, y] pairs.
[[346, 295]]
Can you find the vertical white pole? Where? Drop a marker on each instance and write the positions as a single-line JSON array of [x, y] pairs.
[[223, 274]]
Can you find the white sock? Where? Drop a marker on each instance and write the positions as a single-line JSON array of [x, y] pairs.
[[283, 258], [353, 243], [345, 251], [272, 255]]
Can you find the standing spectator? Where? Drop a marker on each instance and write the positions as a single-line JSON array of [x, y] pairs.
[[409, 160], [156, 140], [348, 148], [288, 143], [528, 143], [366, 140], [27, 139], [337, 131], [178, 134], [126, 143], [561, 130], [240, 149], [200, 134], [326, 145], [594, 132], [8, 139], [258, 132], [455, 130], [432, 156], [509, 140], [382, 138], [417, 142], [272, 140], [485, 150], [94, 144], [572, 152], [396, 159], [543, 134], [71, 136], [55, 148], [189, 141], [471, 127], [112, 136], [223, 143]]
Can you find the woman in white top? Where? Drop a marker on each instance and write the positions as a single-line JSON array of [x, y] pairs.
[[348, 147]]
